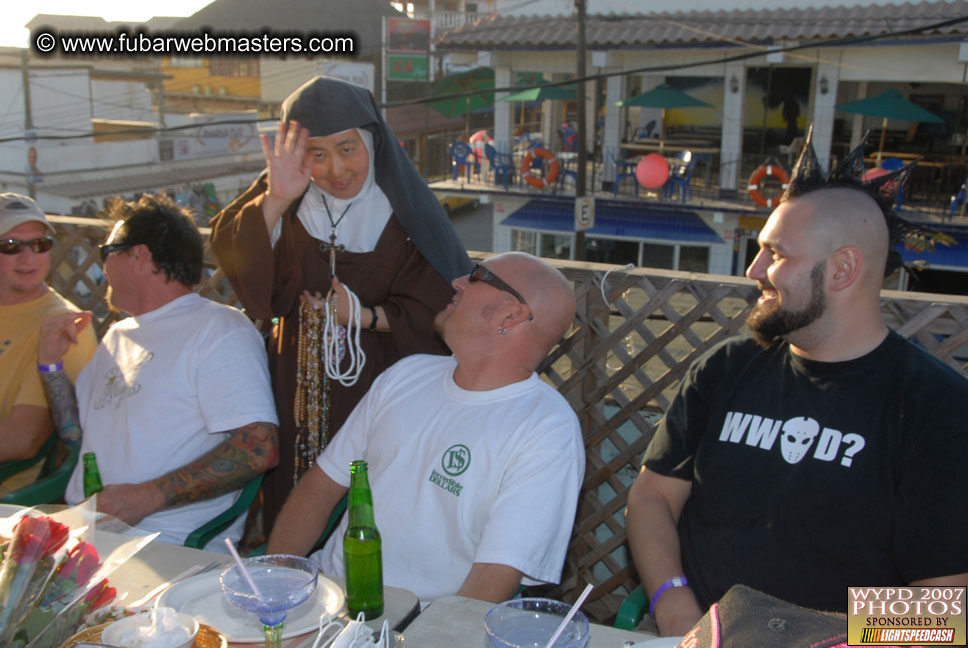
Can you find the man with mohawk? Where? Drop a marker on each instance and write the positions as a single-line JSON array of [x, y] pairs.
[[825, 450]]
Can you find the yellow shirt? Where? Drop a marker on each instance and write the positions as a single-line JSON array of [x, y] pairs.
[[19, 334]]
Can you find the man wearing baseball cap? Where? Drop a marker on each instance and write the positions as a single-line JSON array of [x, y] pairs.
[[26, 239]]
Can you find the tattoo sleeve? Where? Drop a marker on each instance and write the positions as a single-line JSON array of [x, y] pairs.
[[250, 450], [63, 406]]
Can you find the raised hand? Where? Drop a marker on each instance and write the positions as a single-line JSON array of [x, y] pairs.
[[58, 333], [289, 169]]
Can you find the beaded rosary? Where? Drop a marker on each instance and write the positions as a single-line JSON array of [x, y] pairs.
[[311, 407], [322, 340]]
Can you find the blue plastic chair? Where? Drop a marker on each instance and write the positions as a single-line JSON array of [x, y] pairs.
[[461, 155], [893, 164], [537, 164], [500, 164], [680, 175], [624, 169], [644, 132], [958, 199], [565, 171]]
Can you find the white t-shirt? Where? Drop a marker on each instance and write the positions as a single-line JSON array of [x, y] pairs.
[[460, 476], [163, 389]]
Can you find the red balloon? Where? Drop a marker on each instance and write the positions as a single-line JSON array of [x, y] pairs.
[[652, 171]]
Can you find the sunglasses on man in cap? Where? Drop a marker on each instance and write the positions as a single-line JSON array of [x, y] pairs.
[[13, 246]]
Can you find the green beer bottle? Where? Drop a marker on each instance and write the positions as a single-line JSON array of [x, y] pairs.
[[92, 476], [362, 557]]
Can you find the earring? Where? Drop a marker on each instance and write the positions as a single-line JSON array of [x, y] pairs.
[[502, 330]]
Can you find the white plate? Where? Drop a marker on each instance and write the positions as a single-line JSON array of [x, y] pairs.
[[661, 642], [201, 596]]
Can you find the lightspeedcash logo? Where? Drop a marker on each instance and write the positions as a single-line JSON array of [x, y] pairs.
[[906, 616]]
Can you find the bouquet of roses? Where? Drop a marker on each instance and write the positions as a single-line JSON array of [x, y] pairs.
[[44, 588], [28, 561]]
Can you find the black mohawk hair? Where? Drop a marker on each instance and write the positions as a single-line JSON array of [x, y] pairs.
[[849, 173]]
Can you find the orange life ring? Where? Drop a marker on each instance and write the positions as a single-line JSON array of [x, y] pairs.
[[541, 182], [777, 172]]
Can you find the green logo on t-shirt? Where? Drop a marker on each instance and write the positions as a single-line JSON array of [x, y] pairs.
[[456, 459]]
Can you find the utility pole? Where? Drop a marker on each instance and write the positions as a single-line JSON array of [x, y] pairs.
[[581, 179], [28, 119]]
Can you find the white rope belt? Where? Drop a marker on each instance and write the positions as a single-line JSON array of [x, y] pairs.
[[333, 345]]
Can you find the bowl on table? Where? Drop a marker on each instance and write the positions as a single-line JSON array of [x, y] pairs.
[[157, 628], [530, 623]]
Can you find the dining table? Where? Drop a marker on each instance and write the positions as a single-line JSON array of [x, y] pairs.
[[147, 570], [144, 571], [445, 622], [452, 621], [159, 562]]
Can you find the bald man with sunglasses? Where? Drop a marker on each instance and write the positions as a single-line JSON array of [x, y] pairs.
[[474, 462], [26, 240]]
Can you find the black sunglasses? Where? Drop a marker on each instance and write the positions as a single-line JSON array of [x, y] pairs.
[[480, 273], [111, 248], [14, 246]]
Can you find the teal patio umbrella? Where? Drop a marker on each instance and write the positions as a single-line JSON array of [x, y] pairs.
[[541, 93], [889, 105], [664, 96], [463, 93]]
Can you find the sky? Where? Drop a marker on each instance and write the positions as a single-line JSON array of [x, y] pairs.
[[18, 13]]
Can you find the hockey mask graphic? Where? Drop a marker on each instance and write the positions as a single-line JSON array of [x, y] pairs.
[[798, 435]]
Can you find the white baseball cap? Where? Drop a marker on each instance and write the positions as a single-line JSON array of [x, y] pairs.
[[16, 210]]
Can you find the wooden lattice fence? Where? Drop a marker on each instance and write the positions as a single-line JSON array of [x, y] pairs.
[[618, 368]]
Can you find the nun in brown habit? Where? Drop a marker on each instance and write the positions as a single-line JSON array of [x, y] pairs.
[[336, 180]]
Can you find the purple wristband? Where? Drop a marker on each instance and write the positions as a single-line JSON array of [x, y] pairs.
[[50, 368], [678, 581]]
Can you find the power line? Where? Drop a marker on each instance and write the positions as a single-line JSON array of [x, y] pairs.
[[602, 75]]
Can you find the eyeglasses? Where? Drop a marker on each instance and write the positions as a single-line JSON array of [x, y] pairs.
[[111, 248], [15, 246], [480, 273]]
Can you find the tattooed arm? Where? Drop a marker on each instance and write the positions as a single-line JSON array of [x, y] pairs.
[[250, 450], [57, 334], [63, 406]]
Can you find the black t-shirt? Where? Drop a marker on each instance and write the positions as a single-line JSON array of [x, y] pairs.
[[809, 477]]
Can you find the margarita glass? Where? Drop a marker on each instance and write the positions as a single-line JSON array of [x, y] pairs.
[[283, 582]]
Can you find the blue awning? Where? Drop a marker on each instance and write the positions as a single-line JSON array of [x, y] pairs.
[[955, 256], [616, 218]]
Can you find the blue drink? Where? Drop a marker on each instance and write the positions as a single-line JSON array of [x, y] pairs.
[[283, 583], [530, 623]]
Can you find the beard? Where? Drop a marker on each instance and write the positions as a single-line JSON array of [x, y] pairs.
[[769, 324]]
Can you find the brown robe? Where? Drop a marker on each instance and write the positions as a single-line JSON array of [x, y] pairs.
[[268, 282]]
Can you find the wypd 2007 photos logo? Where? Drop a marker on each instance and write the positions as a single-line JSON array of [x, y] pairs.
[[906, 616]]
